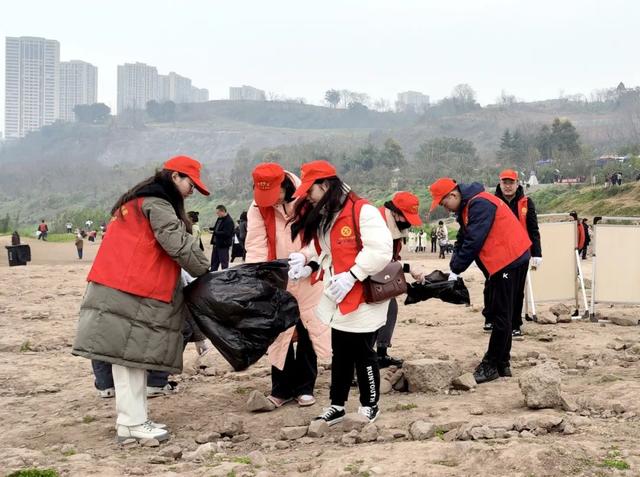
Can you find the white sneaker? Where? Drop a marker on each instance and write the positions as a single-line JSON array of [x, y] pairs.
[[157, 425], [155, 391], [143, 431], [370, 413], [107, 393]]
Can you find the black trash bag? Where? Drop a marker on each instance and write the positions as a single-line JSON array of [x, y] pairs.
[[437, 285], [243, 309]]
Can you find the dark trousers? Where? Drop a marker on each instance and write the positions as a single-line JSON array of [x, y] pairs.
[[441, 255], [354, 350], [500, 298], [79, 253], [434, 242], [518, 302], [583, 252], [300, 370], [219, 258], [383, 339]]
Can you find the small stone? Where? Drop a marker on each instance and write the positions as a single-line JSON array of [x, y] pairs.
[[624, 320], [354, 421], [150, 443], [205, 437], [450, 436], [398, 433], [292, 433], [464, 382], [559, 309], [306, 439], [422, 430], [565, 318], [318, 428], [583, 364], [369, 433], [160, 459], [259, 402], [202, 452], [541, 386], [295, 419], [511, 434], [385, 386], [129, 443], [349, 438], [396, 376], [430, 375], [282, 445], [476, 411], [232, 425], [305, 467], [568, 404], [172, 451], [533, 354], [257, 458], [527, 434], [240, 438]]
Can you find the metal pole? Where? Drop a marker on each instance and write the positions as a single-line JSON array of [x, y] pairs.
[[531, 299], [584, 294], [592, 310]]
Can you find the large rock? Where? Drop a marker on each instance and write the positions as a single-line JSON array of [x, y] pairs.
[[422, 430], [560, 309], [538, 420], [232, 425], [369, 433], [292, 433], [259, 402], [541, 386], [547, 318], [354, 421], [430, 375], [565, 318], [624, 320], [318, 428]]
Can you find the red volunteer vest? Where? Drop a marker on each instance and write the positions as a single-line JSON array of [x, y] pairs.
[[522, 211], [506, 240], [581, 236], [344, 249], [131, 260]]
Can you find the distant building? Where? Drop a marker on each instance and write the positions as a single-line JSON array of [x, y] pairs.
[[174, 87], [412, 101], [138, 84], [199, 95], [32, 74], [78, 85], [246, 93]]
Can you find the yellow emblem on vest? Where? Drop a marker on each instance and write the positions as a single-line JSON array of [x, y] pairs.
[[524, 211], [346, 231]]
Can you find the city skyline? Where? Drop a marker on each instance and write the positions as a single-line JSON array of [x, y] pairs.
[[533, 51]]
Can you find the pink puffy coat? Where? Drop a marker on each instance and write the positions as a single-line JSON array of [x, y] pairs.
[[307, 295]]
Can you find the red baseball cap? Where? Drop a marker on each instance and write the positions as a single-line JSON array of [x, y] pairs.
[[509, 174], [311, 172], [439, 189], [409, 205], [189, 167], [267, 179]]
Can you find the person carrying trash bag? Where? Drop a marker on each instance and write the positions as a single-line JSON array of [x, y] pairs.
[[133, 309], [491, 236], [347, 240], [293, 371]]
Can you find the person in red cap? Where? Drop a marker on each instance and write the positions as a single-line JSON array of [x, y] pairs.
[[400, 213], [133, 309], [491, 236], [293, 371], [346, 241], [524, 209]]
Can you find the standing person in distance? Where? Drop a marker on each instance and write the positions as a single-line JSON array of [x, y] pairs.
[[346, 241], [221, 239]]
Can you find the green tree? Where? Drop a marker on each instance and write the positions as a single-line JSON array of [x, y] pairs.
[[332, 97], [448, 156], [96, 113], [391, 155]]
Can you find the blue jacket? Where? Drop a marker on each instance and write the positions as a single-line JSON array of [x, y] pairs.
[[471, 237]]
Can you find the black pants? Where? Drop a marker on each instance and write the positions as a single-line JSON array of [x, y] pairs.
[[583, 252], [219, 258], [354, 350], [383, 339], [500, 298], [518, 302], [434, 245], [300, 369], [441, 255]]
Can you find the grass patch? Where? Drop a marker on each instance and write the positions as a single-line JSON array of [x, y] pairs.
[[26, 346], [440, 434], [69, 453], [88, 419], [354, 469], [241, 390], [242, 460], [614, 463], [405, 407], [35, 473], [447, 463]]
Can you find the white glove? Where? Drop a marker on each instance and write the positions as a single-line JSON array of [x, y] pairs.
[[536, 262], [340, 285], [453, 277], [300, 273], [297, 259]]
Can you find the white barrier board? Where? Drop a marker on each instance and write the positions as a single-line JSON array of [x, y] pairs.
[[617, 263]]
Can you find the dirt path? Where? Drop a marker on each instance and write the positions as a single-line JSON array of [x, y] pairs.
[[52, 417]]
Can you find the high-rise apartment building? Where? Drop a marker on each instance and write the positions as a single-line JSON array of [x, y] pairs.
[[245, 92], [32, 73], [138, 83], [412, 101], [78, 85]]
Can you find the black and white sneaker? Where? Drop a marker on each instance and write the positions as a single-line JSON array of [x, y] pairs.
[[488, 327], [370, 412], [516, 333], [331, 415]]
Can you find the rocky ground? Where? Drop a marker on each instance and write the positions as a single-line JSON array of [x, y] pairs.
[[434, 421]]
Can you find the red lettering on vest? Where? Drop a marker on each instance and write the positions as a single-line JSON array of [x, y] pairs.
[[506, 241], [131, 260]]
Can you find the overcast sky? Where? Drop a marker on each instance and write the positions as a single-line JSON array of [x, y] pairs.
[[532, 49]]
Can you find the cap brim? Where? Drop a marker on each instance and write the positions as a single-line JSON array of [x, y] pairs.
[[413, 219], [302, 189], [266, 198], [435, 203], [200, 186]]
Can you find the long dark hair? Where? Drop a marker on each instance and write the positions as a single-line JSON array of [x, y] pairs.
[[308, 219], [289, 189], [159, 185]]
